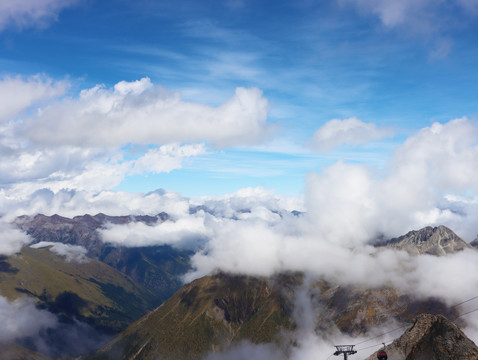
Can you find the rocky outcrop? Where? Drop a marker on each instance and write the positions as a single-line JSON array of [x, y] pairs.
[[438, 241], [432, 337]]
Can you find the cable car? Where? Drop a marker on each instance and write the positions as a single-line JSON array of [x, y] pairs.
[[382, 355]]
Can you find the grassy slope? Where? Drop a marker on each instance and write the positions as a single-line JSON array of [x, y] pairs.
[[92, 291], [157, 268], [205, 315]]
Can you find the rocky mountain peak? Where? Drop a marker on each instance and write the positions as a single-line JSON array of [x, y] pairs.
[[432, 337], [437, 241]]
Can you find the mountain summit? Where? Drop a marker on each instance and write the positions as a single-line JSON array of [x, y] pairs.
[[438, 241]]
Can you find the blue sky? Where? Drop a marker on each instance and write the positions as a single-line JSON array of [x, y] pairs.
[[395, 69]]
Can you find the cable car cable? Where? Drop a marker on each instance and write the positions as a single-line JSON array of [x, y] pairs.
[[404, 326], [385, 333]]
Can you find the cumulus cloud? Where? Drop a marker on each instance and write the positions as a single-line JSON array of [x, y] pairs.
[[21, 318], [78, 168], [19, 93], [350, 131], [71, 253], [50, 140], [352, 205], [142, 113], [29, 13], [11, 239], [165, 158]]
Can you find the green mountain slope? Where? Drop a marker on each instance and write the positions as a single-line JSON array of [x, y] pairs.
[[92, 291], [157, 268], [207, 315]]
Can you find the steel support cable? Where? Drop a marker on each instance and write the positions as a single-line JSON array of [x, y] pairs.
[[464, 302], [385, 333], [372, 346]]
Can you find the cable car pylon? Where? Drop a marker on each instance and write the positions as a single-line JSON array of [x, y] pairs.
[[345, 350]]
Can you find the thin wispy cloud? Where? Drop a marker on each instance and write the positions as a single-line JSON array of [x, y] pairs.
[[350, 131], [30, 13]]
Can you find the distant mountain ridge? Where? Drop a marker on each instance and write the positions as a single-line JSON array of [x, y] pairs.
[[90, 291], [79, 230], [438, 241], [158, 268]]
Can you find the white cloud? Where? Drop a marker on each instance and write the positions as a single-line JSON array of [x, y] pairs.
[[18, 93], [142, 113], [11, 239], [21, 318], [189, 231], [51, 141], [350, 131], [251, 198], [29, 13], [165, 158], [77, 168], [439, 160], [71, 253]]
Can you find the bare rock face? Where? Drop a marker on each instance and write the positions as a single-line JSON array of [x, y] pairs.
[[432, 337], [438, 241]]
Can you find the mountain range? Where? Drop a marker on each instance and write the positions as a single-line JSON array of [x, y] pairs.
[[118, 290]]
